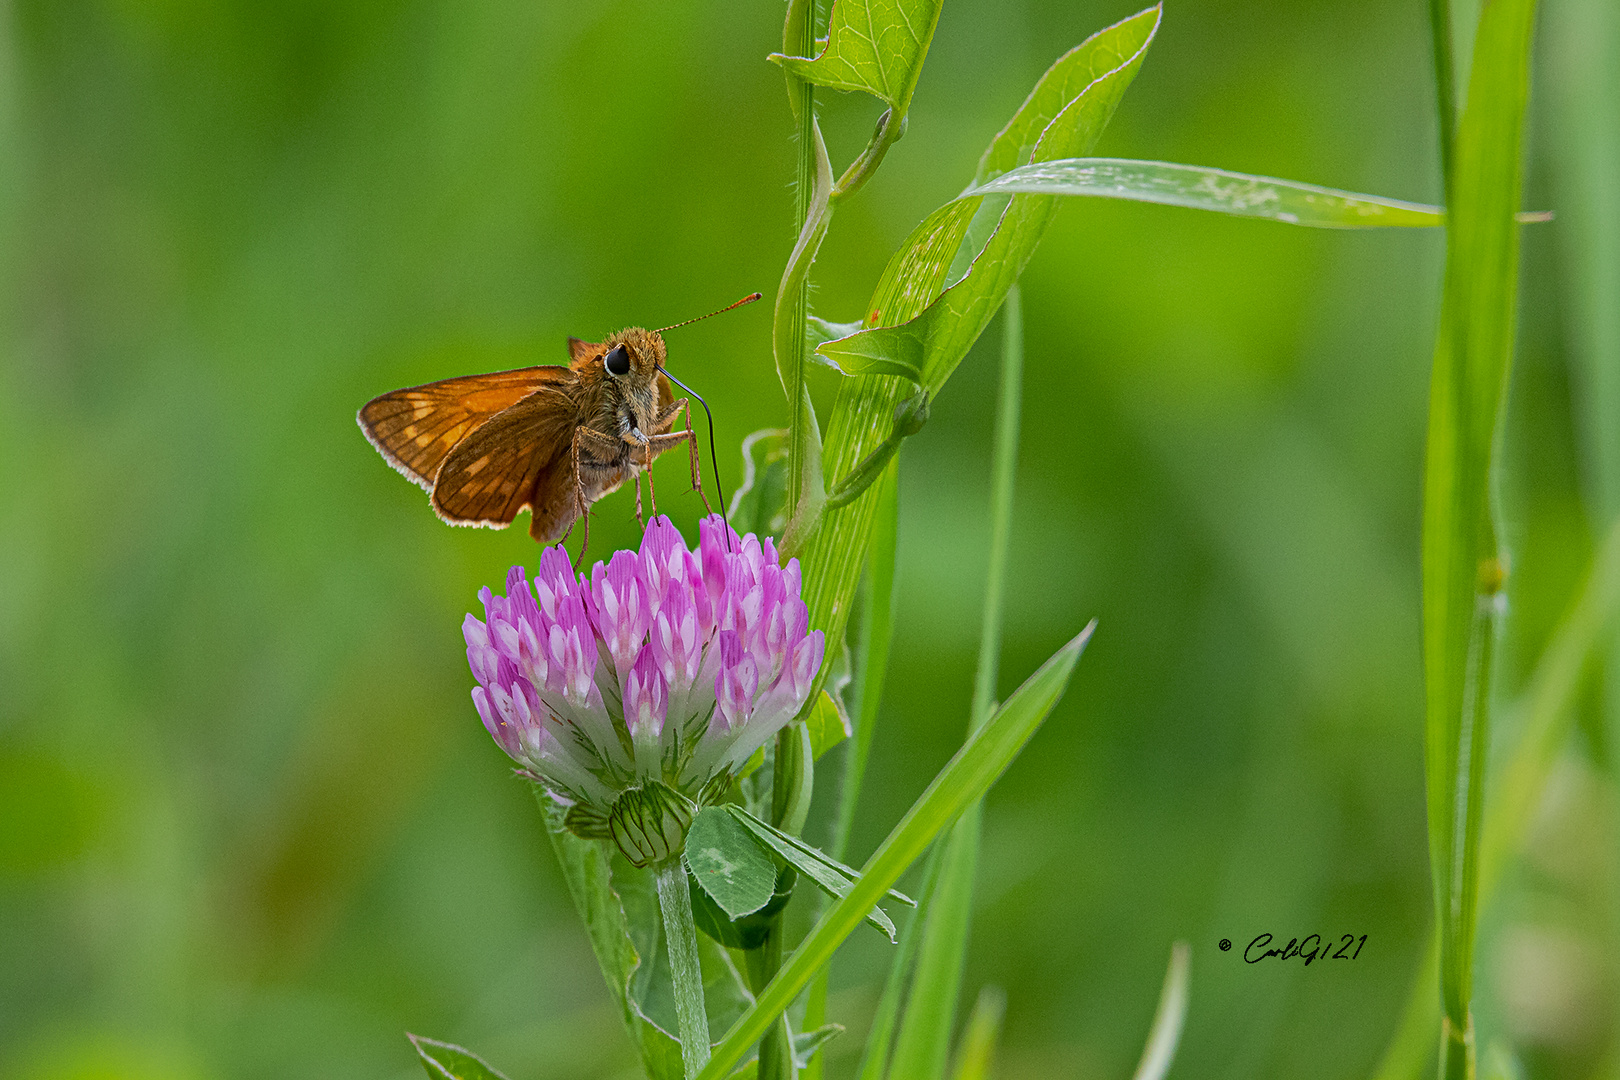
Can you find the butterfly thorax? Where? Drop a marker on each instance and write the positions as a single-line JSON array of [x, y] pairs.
[[626, 406]]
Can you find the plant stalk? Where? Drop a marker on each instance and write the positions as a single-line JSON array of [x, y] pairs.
[[1445, 87], [686, 973], [812, 214]]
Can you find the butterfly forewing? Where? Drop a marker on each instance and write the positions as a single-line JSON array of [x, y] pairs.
[[416, 428]]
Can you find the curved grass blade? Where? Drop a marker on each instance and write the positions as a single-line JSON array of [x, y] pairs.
[[978, 1047], [967, 776], [1165, 1035], [1585, 634]]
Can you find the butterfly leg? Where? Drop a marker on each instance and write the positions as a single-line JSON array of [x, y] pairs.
[[579, 500], [647, 468], [660, 443], [639, 523]]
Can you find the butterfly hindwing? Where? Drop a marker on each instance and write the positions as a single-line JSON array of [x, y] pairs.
[[492, 473]]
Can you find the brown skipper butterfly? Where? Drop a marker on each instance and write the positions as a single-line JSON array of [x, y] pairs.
[[551, 439]]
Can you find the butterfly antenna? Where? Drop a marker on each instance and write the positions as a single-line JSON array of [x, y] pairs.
[[714, 459], [749, 299]]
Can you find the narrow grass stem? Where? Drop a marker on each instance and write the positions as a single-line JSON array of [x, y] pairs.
[[776, 1045], [924, 1044], [1003, 467], [686, 974], [1445, 86], [875, 636]]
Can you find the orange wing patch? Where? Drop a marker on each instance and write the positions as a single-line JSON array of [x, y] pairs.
[[416, 428]]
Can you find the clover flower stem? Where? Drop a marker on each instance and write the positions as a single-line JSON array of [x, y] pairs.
[[675, 902]]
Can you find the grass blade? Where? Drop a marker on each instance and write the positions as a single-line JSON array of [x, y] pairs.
[[967, 776], [1202, 188], [1165, 1035], [1462, 562], [1584, 634], [925, 1035], [880, 1039], [871, 666], [978, 1048]]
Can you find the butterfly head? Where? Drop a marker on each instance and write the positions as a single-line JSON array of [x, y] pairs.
[[633, 356]]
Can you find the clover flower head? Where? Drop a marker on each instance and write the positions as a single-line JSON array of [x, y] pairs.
[[635, 689]]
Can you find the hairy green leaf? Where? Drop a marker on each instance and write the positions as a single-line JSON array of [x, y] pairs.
[[587, 872], [873, 45], [730, 865], [967, 776], [446, 1061]]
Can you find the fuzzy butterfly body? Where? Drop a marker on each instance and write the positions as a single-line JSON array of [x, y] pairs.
[[550, 439]]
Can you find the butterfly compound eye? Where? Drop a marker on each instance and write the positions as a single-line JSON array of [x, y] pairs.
[[617, 361]]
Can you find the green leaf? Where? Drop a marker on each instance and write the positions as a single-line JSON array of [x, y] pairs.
[[873, 45], [1069, 106], [1202, 188], [1165, 1034], [446, 1061], [686, 970], [828, 725], [862, 357], [806, 1043], [730, 865], [978, 1049], [832, 876], [1063, 118], [1462, 558], [967, 776], [756, 507], [818, 330]]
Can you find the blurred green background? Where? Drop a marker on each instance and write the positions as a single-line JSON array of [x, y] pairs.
[[249, 823]]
